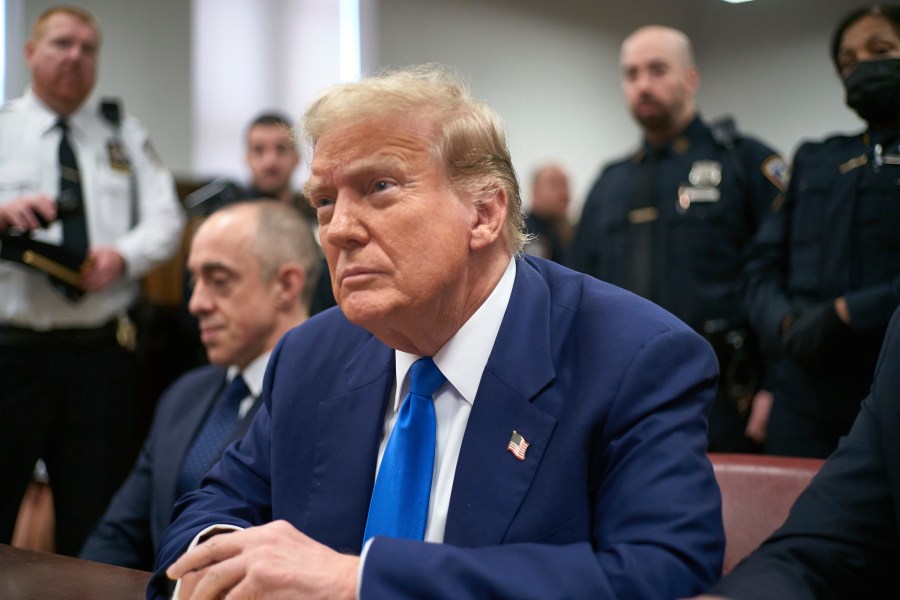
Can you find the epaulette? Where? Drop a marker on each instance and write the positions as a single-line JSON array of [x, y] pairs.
[[111, 111], [724, 131], [725, 134]]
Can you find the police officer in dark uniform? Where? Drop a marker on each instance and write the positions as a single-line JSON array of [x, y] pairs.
[[672, 221], [825, 274]]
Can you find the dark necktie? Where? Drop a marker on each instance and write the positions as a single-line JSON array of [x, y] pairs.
[[70, 205], [212, 437], [399, 505], [644, 235]]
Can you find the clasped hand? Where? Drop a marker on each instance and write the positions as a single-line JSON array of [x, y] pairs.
[[270, 561], [815, 334]]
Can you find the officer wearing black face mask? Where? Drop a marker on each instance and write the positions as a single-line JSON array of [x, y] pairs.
[[825, 275]]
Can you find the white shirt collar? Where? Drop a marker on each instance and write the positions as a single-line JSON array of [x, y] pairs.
[[464, 357], [76, 119]]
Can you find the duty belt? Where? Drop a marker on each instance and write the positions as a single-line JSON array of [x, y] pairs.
[[76, 336]]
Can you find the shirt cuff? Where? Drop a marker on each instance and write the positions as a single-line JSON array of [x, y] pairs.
[[202, 537], [362, 564]]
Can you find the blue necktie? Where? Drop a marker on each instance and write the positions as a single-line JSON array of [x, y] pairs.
[[399, 505], [209, 442]]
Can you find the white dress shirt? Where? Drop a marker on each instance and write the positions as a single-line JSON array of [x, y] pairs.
[[462, 361], [29, 164]]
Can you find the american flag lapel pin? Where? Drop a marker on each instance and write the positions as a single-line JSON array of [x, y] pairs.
[[517, 445]]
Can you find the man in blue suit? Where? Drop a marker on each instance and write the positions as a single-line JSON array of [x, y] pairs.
[[254, 267], [565, 440]]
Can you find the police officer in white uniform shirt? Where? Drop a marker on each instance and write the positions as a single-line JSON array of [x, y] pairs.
[[86, 209]]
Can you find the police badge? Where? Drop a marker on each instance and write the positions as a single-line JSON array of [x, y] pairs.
[[704, 178], [705, 173], [118, 158]]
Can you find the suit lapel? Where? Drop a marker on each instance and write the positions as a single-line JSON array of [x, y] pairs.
[[172, 444], [348, 434], [490, 483], [189, 416]]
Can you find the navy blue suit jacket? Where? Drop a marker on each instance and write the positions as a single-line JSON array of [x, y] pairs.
[[842, 537], [615, 498], [136, 517]]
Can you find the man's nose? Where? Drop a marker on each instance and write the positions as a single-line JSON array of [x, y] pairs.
[[199, 302], [77, 52], [346, 225], [642, 82]]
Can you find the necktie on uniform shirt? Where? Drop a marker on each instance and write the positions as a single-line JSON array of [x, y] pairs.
[[643, 217], [70, 204]]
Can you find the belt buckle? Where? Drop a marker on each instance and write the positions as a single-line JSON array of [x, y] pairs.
[[126, 333]]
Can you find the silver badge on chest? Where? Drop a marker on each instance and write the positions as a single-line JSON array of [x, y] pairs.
[[704, 180]]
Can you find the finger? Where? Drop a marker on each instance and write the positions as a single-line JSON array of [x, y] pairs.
[[192, 560], [216, 581], [25, 220], [187, 584], [46, 209], [213, 550]]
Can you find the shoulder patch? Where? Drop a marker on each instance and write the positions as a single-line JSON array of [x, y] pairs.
[[776, 171]]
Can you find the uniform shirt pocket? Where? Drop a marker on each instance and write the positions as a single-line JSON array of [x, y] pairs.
[[113, 201]]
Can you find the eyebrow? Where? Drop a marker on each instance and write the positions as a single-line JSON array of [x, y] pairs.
[[875, 36], [316, 183], [213, 267]]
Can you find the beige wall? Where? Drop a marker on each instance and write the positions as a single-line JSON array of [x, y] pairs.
[[548, 66]]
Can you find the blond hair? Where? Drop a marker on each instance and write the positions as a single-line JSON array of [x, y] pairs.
[[40, 25], [468, 135]]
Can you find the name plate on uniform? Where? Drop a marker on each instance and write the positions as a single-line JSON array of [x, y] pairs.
[[639, 216], [688, 195]]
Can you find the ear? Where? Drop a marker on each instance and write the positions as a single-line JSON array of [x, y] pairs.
[[489, 219], [288, 285], [29, 51], [693, 80]]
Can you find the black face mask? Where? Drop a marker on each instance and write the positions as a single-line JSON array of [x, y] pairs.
[[873, 90]]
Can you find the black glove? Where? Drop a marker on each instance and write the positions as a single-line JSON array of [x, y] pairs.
[[814, 335]]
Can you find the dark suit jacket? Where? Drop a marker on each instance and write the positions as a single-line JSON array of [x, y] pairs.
[[842, 537], [615, 498], [129, 531]]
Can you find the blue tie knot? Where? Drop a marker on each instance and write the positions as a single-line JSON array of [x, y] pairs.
[[236, 391], [425, 378]]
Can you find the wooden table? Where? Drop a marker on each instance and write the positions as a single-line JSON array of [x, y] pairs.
[[30, 575]]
